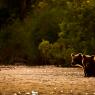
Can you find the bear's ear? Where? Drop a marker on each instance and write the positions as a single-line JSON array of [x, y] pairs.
[[84, 56], [80, 54], [72, 54], [92, 57]]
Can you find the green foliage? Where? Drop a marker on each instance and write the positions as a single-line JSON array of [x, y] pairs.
[[53, 52], [77, 29], [66, 26], [44, 47]]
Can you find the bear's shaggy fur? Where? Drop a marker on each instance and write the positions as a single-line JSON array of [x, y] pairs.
[[89, 65], [86, 61]]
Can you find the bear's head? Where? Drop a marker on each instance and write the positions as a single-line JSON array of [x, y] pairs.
[[89, 65], [88, 60], [76, 59]]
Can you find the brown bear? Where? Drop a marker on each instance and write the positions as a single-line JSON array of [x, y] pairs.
[[89, 65], [87, 62]]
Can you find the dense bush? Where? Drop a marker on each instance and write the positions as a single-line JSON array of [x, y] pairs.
[[40, 32]]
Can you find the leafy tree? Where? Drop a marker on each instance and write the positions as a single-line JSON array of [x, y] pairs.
[[44, 48]]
